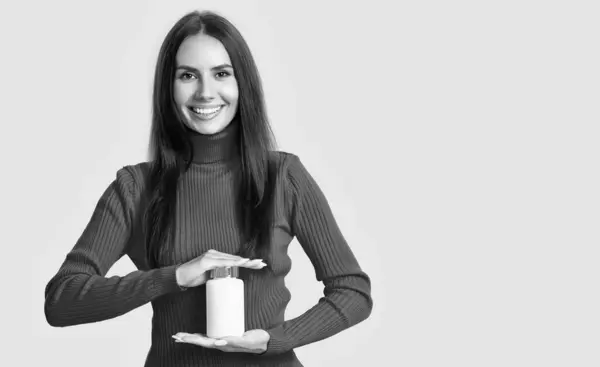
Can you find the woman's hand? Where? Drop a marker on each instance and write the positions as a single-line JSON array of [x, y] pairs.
[[253, 341], [193, 272]]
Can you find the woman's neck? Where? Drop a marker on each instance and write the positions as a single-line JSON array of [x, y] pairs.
[[220, 147]]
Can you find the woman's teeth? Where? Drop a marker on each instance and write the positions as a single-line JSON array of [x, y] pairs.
[[206, 112]]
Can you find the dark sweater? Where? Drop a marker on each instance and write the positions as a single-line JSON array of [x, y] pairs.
[[80, 293]]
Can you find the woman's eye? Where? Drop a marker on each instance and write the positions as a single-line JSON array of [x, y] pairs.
[[186, 76], [222, 74]]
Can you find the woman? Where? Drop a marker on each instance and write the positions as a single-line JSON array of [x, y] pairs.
[[215, 194]]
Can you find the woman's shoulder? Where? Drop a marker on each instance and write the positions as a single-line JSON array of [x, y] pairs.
[[283, 160], [280, 156], [133, 175], [138, 170], [289, 166]]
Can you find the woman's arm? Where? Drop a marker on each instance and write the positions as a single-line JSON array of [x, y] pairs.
[[347, 294], [80, 293]]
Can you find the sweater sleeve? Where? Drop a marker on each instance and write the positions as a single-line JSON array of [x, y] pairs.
[[80, 293], [347, 289]]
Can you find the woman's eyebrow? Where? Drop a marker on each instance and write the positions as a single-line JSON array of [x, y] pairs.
[[218, 67]]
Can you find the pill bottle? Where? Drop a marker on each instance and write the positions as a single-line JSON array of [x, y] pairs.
[[224, 303]]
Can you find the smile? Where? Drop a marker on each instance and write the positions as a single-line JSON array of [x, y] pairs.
[[206, 113]]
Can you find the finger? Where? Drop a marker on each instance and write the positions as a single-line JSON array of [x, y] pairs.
[[194, 339], [254, 264], [235, 341], [197, 339], [213, 254], [247, 263], [239, 344], [221, 263], [220, 342], [236, 260]]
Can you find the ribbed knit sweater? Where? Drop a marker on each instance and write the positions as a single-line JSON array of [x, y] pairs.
[[206, 219]]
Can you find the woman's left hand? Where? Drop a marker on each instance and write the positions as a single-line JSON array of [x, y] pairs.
[[253, 341]]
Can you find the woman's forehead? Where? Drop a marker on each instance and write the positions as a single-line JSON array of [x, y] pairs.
[[202, 52]]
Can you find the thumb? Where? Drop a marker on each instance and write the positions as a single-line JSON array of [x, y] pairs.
[[234, 340]]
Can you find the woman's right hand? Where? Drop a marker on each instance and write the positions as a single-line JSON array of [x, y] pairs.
[[194, 272]]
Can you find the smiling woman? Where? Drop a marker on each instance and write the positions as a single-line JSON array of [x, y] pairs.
[[215, 194], [205, 88]]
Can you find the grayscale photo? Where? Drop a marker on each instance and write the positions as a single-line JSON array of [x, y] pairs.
[[284, 184]]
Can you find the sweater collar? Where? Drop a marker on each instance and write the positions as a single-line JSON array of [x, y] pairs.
[[220, 147]]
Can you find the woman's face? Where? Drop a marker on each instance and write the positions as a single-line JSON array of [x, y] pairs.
[[205, 89]]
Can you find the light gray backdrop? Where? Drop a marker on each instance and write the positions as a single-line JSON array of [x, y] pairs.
[[457, 143]]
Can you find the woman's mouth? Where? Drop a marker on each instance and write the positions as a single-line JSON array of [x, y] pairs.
[[206, 113]]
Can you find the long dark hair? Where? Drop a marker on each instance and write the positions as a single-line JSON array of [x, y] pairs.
[[171, 149]]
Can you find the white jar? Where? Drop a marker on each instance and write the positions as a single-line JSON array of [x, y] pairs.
[[224, 303]]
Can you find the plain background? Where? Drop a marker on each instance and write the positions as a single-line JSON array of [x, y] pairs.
[[457, 143]]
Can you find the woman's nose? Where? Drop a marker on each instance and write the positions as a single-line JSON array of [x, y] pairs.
[[204, 90]]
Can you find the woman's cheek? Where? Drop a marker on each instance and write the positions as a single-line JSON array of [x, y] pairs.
[[230, 91], [182, 92]]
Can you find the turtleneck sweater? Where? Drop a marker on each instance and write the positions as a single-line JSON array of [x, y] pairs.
[[80, 292]]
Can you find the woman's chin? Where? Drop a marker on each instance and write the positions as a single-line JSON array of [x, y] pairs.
[[207, 127]]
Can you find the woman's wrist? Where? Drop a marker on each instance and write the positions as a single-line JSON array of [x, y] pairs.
[[178, 278], [185, 283]]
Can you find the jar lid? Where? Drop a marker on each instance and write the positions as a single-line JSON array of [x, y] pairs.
[[225, 272]]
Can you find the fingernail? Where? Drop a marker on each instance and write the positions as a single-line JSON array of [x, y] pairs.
[[220, 342], [178, 339]]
